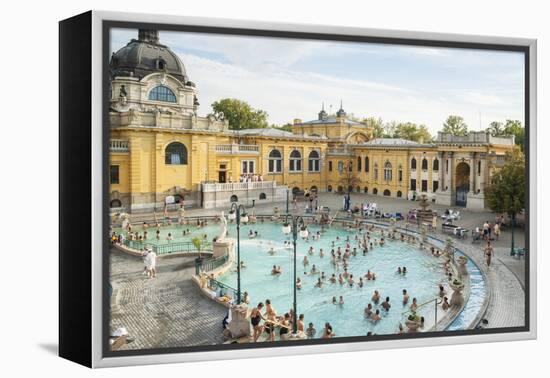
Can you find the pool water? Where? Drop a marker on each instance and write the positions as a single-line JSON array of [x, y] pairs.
[[424, 274]]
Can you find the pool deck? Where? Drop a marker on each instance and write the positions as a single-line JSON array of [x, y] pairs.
[[170, 311]]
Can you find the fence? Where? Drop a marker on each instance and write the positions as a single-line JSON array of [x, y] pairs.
[[164, 249]]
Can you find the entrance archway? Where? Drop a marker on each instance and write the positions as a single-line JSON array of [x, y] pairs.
[[462, 181]]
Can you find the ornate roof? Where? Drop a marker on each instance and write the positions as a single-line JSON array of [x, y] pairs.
[[145, 55]]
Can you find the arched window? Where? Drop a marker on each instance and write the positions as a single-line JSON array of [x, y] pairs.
[[313, 162], [424, 164], [359, 164], [366, 190], [366, 163], [358, 189], [175, 154], [435, 166], [275, 164], [413, 163], [387, 193], [162, 93], [387, 171], [115, 203], [263, 196], [350, 166], [399, 194], [295, 190], [375, 191], [295, 161], [376, 171], [233, 198], [329, 188]]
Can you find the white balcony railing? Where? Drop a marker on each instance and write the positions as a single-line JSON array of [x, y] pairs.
[[237, 148], [234, 186], [119, 145]]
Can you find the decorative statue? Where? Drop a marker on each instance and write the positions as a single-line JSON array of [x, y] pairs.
[[223, 228], [122, 95]]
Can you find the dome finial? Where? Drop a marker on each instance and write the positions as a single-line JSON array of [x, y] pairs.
[[341, 112]]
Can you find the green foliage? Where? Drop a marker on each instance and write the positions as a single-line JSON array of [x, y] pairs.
[[455, 125], [515, 128], [496, 129], [506, 193], [240, 114], [405, 130], [197, 242], [348, 178], [287, 127], [412, 131], [377, 126]]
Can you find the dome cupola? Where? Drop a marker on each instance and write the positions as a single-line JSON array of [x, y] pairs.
[[146, 55]]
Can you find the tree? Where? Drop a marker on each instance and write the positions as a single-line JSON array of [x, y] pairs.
[[197, 242], [506, 193], [240, 114], [496, 129], [287, 127], [412, 131], [377, 126], [515, 128], [455, 125]]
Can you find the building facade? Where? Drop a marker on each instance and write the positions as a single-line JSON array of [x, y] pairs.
[[161, 151]]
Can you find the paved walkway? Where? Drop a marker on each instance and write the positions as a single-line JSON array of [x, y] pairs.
[[167, 311], [506, 306]]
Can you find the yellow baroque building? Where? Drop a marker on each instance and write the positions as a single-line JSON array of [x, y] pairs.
[[162, 152]]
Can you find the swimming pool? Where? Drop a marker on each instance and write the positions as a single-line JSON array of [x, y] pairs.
[[424, 274]]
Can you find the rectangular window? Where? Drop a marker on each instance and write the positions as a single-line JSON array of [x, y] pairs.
[[400, 175], [435, 186], [340, 167], [330, 166], [424, 185], [413, 184], [275, 166], [313, 165], [114, 174]]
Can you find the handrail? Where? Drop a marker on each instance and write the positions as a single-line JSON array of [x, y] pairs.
[[163, 249]]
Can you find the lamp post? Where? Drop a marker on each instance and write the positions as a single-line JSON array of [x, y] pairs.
[[288, 227], [238, 213]]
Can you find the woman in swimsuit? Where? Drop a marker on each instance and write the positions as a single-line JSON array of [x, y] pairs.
[[285, 326], [255, 319]]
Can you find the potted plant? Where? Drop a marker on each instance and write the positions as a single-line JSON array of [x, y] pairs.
[[197, 243]]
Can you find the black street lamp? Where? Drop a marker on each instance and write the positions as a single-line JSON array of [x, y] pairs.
[[238, 213], [288, 227], [287, 192]]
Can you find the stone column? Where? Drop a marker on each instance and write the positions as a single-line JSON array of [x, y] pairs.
[[473, 172], [484, 173], [450, 180], [442, 157]]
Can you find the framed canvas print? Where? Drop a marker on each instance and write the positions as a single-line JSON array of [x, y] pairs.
[[231, 189]]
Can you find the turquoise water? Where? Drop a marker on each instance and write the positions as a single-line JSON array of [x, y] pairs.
[[424, 275], [478, 290], [422, 280]]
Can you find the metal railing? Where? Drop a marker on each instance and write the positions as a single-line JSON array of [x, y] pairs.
[[167, 248], [222, 289], [207, 265]]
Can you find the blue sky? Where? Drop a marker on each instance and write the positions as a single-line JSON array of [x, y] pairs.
[[291, 78]]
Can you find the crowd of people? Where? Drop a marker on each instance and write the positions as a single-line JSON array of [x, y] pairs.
[[248, 177]]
